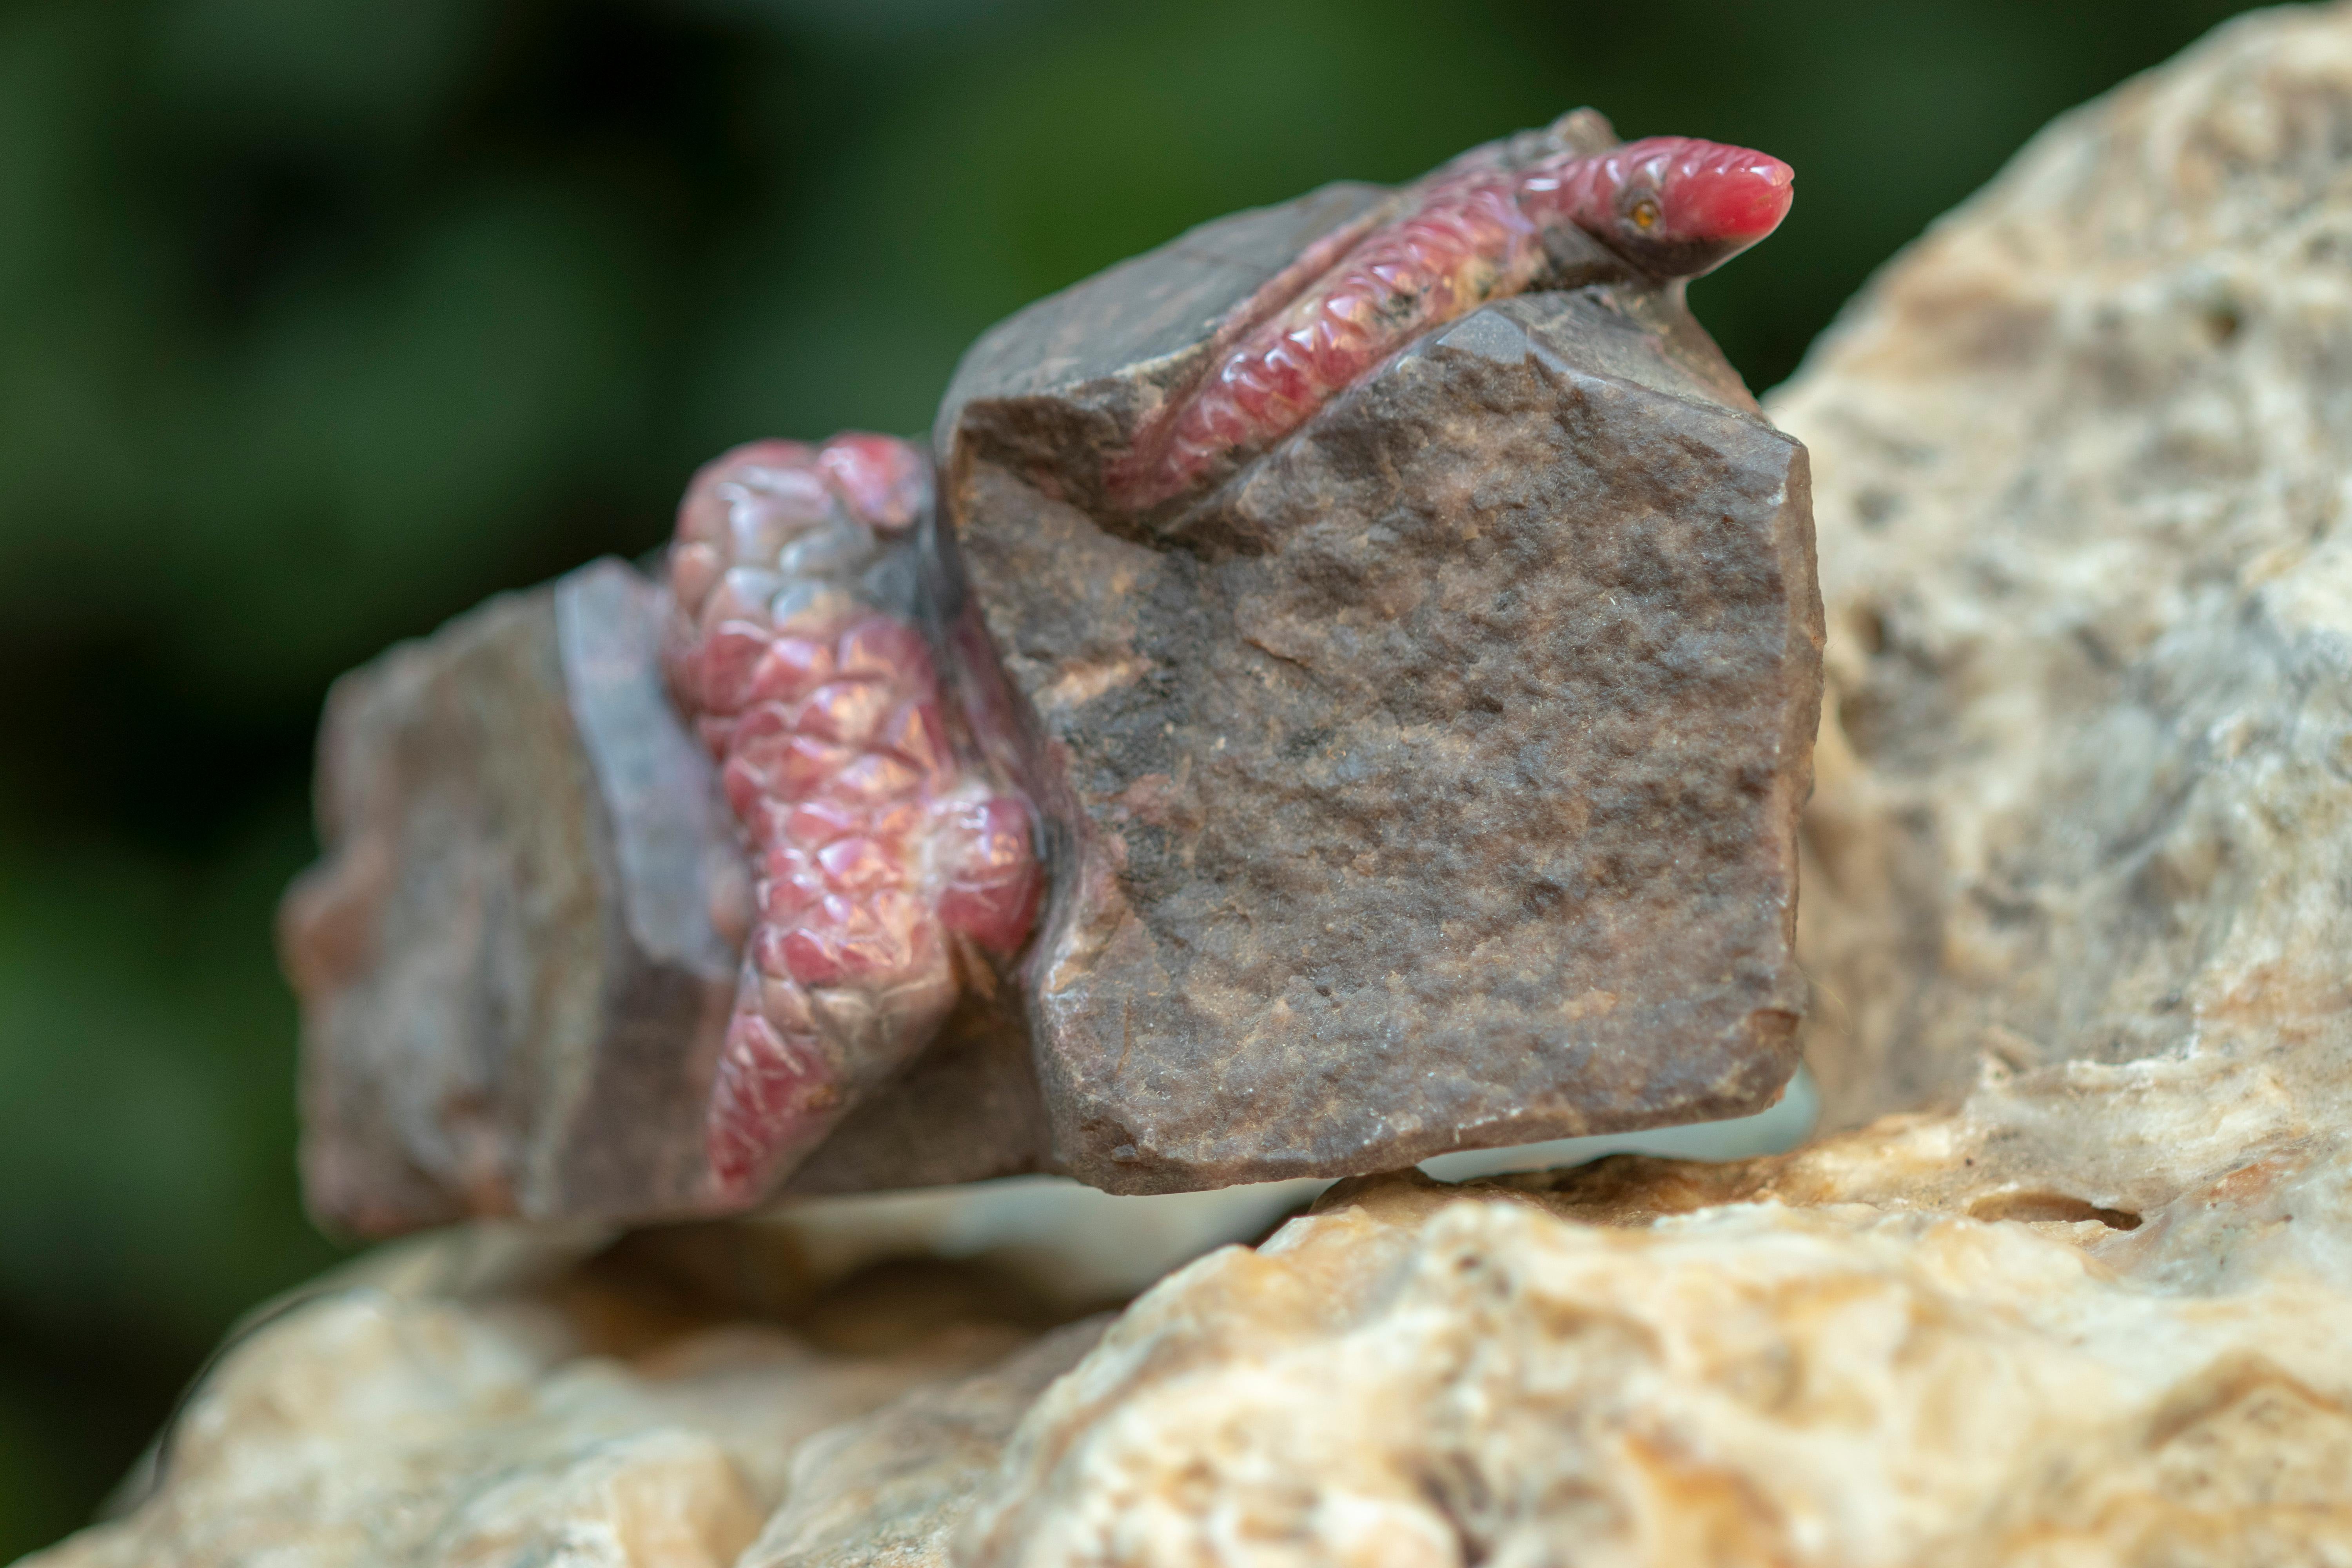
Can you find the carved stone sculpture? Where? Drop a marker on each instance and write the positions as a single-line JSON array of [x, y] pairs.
[[1345, 696]]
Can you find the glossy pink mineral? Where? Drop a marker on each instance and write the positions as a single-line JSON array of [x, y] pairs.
[[880, 861], [1672, 207]]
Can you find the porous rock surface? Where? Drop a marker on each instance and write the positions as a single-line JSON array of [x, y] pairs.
[[2079, 846], [545, 1420], [889, 1490], [1415, 1379]]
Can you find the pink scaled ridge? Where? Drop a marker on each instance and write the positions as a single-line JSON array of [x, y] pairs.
[[1670, 206], [880, 861]]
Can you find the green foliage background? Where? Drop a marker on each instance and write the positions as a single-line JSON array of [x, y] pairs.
[[321, 320]]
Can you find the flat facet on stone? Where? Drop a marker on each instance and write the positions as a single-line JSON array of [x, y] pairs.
[[1431, 782], [506, 944]]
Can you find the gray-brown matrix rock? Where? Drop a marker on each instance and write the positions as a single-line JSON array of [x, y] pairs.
[[1431, 783]]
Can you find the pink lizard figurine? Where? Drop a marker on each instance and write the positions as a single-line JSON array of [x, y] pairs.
[[1672, 207], [876, 852]]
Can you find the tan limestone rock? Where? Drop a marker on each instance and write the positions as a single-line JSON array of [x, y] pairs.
[[2081, 459], [372, 1424], [1414, 1379]]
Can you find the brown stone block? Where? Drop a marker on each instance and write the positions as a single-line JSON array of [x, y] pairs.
[[1432, 782]]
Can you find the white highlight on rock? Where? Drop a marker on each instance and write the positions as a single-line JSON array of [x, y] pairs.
[[1079, 1247]]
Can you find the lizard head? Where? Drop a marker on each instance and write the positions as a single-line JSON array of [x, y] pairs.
[[1676, 207]]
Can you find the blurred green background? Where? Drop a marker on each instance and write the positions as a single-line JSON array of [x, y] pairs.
[[321, 320]]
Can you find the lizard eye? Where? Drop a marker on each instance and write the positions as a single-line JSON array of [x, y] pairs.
[[1645, 214]]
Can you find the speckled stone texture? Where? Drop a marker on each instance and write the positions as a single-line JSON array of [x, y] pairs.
[[1431, 782]]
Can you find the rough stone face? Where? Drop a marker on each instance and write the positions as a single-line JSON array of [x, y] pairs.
[[1433, 782], [513, 990]]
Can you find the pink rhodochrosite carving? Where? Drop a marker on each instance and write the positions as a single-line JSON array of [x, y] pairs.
[[1672, 207], [880, 858]]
